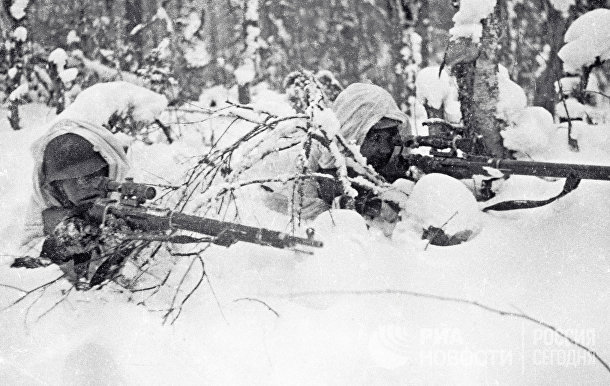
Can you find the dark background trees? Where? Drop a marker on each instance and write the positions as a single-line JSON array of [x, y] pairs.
[[382, 41]]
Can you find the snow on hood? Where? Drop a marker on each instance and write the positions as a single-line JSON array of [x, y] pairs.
[[360, 106], [111, 97]]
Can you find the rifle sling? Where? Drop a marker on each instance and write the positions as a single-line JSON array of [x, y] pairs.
[[570, 184]]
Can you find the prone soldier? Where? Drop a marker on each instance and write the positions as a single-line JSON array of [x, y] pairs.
[[70, 159]]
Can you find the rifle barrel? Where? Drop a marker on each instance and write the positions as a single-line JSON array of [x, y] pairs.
[[466, 167], [552, 169]]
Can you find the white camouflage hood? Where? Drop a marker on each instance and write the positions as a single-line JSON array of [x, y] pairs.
[[360, 106], [357, 108]]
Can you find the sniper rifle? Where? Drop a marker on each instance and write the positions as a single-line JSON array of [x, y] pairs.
[[157, 223], [456, 156]]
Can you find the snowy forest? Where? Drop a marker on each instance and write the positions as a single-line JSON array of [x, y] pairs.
[[476, 251]]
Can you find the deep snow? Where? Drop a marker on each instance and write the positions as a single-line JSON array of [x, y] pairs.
[[551, 263]]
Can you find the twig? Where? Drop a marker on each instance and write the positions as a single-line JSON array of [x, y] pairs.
[[207, 277], [159, 286], [440, 229], [56, 303], [597, 92], [258, 301], [519, 315], [29, 292], [182, 280], [175, 297], [192, 291], [571, 141], [13, 287]]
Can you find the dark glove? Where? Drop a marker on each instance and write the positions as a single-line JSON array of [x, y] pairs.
[[75, 235]]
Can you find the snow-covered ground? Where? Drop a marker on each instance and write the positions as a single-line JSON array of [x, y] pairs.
[[363, 310]]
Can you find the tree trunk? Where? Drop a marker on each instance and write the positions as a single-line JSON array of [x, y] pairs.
[[545, 94], [478, 89], [243, 93], [13, 115], [134, 15], [423, 29]]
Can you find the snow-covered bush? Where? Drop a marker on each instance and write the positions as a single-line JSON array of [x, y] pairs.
[[121, 107], [301, 85], [65, 86], [571, 109], [530, 131], [443, 210], [511, 98], [437, 92], [157, 70], [587, 41], [467, 21]]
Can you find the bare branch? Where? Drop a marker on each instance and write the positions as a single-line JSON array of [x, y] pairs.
[[34, 290], [258, 301], [56, 304], [440, 229]]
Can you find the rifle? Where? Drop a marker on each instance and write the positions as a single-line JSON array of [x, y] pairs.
[[456, 156], [130, 207]]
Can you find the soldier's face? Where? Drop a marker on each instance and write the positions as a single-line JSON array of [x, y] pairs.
[[83, 190], [378, 146]]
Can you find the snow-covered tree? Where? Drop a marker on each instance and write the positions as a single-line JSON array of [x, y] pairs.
[[355, 40], [157, 70], [586, 46], [473, 56], [65, 87], [14, 57], [246, 71], [406, 49]]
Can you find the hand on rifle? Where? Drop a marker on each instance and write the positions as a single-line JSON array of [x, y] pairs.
[[383, 211], [225, 238]]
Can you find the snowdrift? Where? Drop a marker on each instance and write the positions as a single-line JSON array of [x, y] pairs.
[[363, 310]]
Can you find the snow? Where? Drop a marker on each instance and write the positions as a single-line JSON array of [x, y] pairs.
[[68, 75], [193, 23], [197, 55], [17, 9], [20, 34], [136, 29], [443, 202], [115, 97], [438, 90], [586, 39], [569, 84], [586, 23], [563, 6], [467, 21], [572, 108], [59, 57], [162, 15], [326, 121], [530, 131], [251, 10], [12, 72], [19, 92], [245, 73], [72, 37], [354, 312], [511, 98]]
